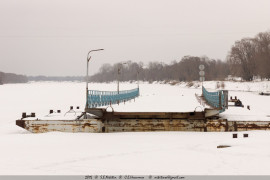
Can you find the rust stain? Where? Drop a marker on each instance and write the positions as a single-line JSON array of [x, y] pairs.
[[127, 122]]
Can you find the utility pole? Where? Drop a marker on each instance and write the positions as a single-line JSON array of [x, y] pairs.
[[138, 77], [118, 75], [202, 74]]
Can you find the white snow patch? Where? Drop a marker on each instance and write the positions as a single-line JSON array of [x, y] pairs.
[[188, 153]]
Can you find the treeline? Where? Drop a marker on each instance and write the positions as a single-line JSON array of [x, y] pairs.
[[248, 58], [56, 78], [187, 69], [6, 78]]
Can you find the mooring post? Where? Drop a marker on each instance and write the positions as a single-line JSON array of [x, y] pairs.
[[33, 114], [23, 115]]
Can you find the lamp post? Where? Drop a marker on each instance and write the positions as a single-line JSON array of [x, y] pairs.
[[88, 59], [118, 78], [138, 77]]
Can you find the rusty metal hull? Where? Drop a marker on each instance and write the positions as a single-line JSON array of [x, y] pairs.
[[135, 125], [41, 126], [143, 121], [248, 125], [165, 125]]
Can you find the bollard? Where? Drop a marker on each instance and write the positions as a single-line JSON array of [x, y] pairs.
[[71, 107], [33, 114], [238, 103], [24, 115], [248, 107], [245, 135], [234, 135], [51, 111], [58, 111], [78, 107]]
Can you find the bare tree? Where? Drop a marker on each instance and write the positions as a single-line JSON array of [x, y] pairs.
[[241, 59], [263, 54], [250, 57]]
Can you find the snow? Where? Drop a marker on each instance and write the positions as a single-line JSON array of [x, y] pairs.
[[162, 98], [248, 93], [136, 153]]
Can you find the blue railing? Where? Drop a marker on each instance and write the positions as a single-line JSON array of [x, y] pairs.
[[104, 98], [218, 100]]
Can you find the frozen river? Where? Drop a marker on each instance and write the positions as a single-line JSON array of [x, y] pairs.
[[186, 153]]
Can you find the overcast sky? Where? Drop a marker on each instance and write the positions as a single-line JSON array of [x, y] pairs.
[[53, 37]]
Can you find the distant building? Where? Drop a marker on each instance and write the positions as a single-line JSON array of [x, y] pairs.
[[233, 78]]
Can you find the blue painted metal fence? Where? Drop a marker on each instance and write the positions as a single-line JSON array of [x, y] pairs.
[[104, 98], [218, 100]]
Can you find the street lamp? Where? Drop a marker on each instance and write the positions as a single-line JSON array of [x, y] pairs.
[[138, 77], [118, 79], [88, 59]]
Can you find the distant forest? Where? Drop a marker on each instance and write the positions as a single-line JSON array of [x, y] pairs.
[[185, 70], [56, 78], [6, 78], [247, 58]]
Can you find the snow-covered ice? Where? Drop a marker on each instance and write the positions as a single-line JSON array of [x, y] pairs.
[[186, 153]]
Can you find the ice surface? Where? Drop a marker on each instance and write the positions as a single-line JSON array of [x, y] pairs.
[[187, 153]]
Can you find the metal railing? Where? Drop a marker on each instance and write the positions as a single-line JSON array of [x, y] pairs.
[[218, 99], [104, 98]]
